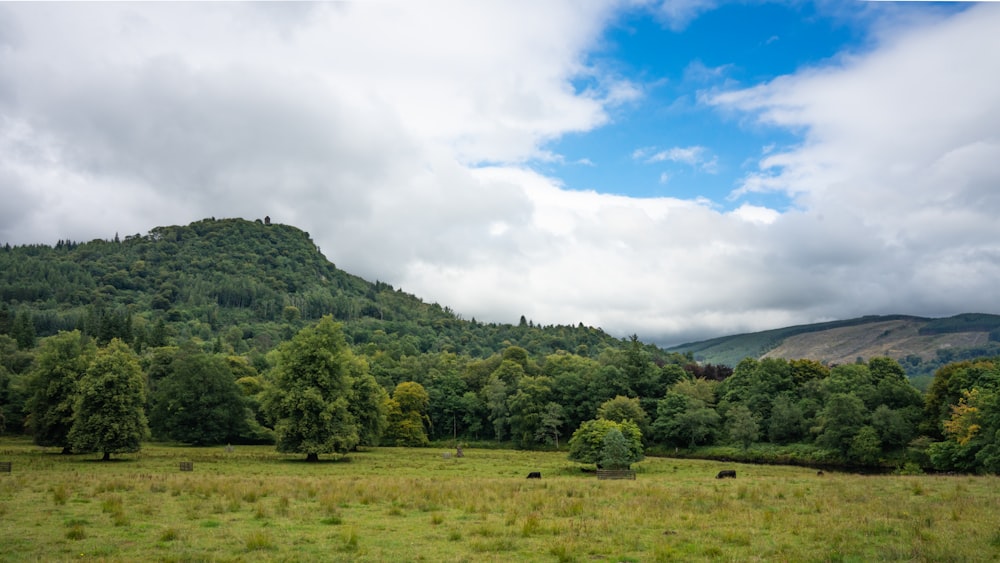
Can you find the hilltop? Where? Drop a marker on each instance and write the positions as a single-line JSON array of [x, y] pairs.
[[245, 285]]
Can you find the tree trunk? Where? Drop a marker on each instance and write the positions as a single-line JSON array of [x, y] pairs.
[[312, 456]]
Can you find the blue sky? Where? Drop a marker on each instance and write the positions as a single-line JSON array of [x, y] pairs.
[[733, 45], [676, 169]]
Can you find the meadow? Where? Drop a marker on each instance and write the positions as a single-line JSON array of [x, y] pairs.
[[250, 503]]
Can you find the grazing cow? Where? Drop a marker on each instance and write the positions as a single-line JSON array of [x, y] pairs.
[[730, 473], [535, 475], [819, 473]]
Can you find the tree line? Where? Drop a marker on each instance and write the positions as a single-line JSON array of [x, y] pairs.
[[318, 394], [218, 304]]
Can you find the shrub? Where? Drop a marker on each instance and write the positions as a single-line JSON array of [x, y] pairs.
[[587, 443]]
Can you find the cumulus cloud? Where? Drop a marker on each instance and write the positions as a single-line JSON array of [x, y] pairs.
[[896, 167], [402, 137]]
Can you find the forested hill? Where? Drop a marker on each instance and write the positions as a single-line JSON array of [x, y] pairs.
[[244, 286]]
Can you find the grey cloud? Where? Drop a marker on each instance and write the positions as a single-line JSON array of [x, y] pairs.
[[369, 137]]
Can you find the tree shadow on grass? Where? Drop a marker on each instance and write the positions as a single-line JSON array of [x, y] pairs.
[[320, 461]]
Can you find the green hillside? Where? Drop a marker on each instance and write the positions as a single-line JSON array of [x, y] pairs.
[[245, 285], [235, 331]]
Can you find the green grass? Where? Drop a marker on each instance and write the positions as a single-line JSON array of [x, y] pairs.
[[396, 504]]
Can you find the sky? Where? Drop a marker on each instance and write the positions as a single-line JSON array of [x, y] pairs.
[[677, 170]]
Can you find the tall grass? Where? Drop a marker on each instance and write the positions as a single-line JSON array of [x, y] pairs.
[[391, 504]]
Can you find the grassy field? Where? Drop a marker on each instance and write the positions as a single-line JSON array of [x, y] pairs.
[[389, 504]]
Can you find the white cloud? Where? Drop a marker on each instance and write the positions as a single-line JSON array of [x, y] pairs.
[[695, 156], [756, 214], [897, 167], [677, 14], [367, 124]]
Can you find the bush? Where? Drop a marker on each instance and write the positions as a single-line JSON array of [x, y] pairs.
[[588, 442]]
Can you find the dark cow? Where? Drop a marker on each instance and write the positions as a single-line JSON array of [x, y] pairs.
[[819, 473], [535, 475], [726, 473]]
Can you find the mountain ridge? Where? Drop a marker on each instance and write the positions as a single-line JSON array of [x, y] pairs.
[[246, 285], [920, 344]]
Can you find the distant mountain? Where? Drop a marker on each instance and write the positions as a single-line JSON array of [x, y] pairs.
[[920, 344]]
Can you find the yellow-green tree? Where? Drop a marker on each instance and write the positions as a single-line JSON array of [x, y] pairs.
[[964, 422], [407, 415]]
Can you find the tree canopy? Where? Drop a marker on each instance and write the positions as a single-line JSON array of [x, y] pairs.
[[110, 412], [310, 392]]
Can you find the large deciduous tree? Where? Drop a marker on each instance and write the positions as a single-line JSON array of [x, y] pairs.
[[370, 408], [839, 421], [199, 402], [311, 390], [686, 415], [53, 384], [110, 412], [527, 407]]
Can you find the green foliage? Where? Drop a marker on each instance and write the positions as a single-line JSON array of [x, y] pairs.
[[788, 422], [621, 409], [972, 430], [587, 443], [742, 426], [202, 280], [23, 330], [60, 365], [839, 422], [865, 447], [310, 392], [407, 416], [370, 408], [966, 322], [495, 398], [405, 428], [199, 402], [550, 426], [686, 415], [236, 292], [615, 453], [527, 406], [109, 415], [948, 387]]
